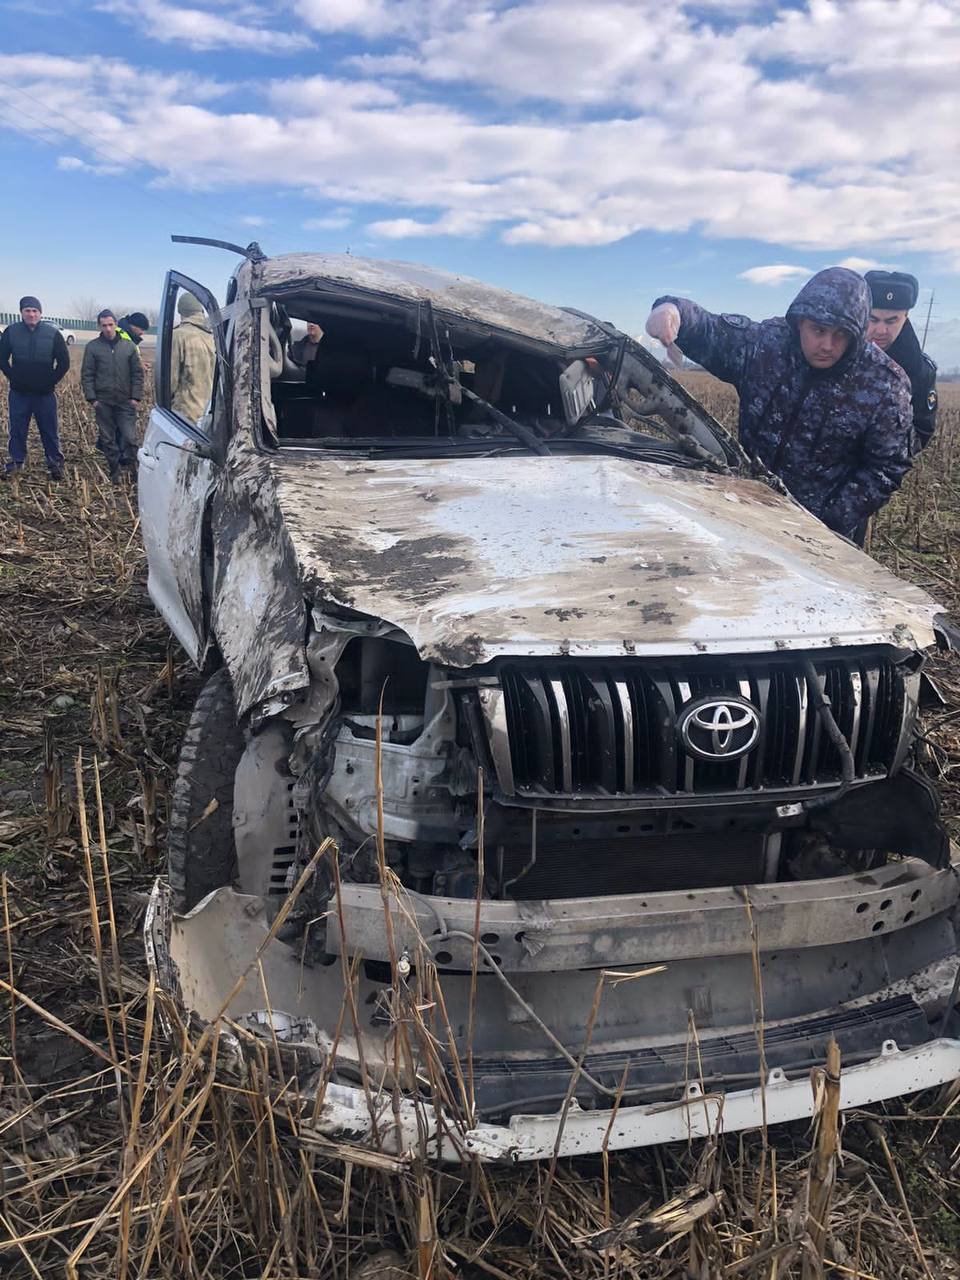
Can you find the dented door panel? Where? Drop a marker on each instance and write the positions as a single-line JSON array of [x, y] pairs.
[[175, 481]]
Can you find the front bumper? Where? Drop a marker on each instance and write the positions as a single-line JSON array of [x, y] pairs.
[[870, 960], [345, 1113]]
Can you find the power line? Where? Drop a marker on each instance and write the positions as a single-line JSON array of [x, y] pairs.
[[109, 157], [114, 146], [926, 326]]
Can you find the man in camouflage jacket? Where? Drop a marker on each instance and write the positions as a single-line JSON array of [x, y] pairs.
[[825, 410], [192, 360]]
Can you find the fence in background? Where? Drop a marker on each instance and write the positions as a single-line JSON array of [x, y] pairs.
[[9, 317]]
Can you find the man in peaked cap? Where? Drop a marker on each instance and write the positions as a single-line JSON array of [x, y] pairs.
[[892, 295], [819, 405]]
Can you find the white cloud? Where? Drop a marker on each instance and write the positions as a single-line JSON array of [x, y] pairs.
[[313, 95], [463, 222], [253, 220], [73, 164], [333, 222], [366, 16], [778, 273], [860, 264], [372, 18], [199, 29], [722, 120]]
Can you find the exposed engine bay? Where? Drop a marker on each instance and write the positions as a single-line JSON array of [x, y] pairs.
[[561, 769]]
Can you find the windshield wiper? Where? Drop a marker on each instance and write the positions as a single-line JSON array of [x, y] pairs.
[[523, 434], [635, 453], [454, 390], [411, 446], [682, 450]]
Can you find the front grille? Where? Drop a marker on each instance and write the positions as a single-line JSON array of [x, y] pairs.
[[598, 729]]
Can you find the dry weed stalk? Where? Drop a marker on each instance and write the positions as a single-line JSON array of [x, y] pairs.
[[823, 1162]]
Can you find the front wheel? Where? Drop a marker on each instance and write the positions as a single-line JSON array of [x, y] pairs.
[[201, 855]]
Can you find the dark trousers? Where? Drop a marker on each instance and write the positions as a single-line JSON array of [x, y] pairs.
[[23, 407], [117, 434]]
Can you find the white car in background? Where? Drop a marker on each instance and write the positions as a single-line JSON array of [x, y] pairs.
[[69, 335]]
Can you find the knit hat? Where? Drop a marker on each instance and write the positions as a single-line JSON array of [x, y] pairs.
[[187, 305], [30, 301], [106, 314], [139, 319], [892, 290]]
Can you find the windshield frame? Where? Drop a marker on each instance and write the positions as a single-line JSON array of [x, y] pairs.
[[319, 297]]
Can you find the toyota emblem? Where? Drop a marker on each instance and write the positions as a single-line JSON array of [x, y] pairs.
[[719, 729]]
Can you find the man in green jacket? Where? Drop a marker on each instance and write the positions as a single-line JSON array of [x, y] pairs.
[[112, 380]]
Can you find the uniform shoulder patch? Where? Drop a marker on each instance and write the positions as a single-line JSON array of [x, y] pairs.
[[735, 321], [931, 399]]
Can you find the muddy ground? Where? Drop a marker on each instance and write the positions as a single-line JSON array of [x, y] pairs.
[[126, 1155]]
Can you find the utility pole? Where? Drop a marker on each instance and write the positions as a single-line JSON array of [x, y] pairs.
[[927, 325]]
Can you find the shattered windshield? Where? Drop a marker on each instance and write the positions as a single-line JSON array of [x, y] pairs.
[[349, 379]]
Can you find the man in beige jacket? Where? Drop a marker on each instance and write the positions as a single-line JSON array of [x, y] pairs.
[[192, 360]]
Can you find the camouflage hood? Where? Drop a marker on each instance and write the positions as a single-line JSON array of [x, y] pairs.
[[835, 297]]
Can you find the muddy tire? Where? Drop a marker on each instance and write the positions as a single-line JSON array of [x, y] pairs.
[[201, 855]]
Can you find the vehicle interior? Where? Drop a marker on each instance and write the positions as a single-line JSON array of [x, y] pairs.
[[402, 376]]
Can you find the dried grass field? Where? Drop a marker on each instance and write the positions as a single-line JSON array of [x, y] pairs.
[[131, 1147]]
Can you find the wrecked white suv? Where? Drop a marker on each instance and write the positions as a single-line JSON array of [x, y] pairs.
[[576, 757]]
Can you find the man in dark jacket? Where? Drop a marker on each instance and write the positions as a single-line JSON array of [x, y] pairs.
[[305, 350], [892, 294], [819, 405], [34, 357], [112, 379], [133, 327]]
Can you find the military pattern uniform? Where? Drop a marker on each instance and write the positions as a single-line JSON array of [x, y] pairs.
[[839, 438], [192, 364]]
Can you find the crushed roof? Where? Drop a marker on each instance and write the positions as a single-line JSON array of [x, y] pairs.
[[453, 296]]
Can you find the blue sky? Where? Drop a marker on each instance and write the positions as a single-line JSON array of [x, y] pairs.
[[723, 151]]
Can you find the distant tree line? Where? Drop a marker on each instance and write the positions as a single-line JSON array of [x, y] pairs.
[[86, 307]]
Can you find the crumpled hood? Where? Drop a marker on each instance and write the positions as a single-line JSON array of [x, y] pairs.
[[475, 558], [837, 297]]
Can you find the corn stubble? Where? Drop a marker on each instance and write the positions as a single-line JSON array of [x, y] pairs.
[[134, 1143]]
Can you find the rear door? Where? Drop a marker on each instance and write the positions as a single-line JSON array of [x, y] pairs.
[[181, 456]]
